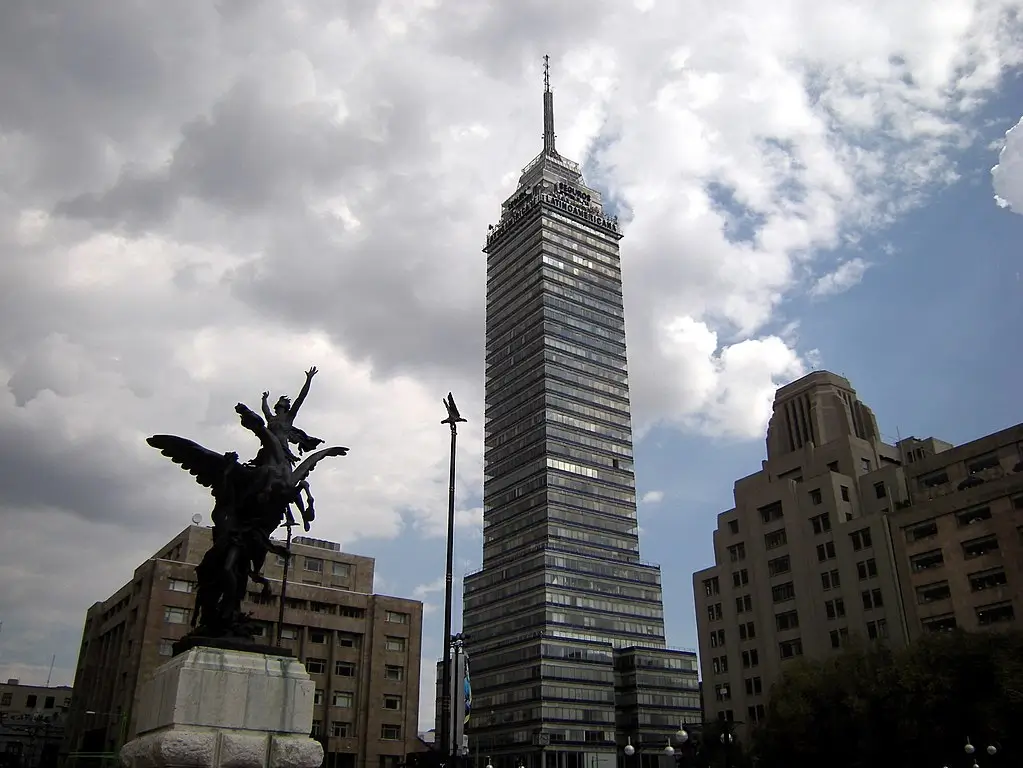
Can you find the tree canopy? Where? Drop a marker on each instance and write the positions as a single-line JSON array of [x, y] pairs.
[[872, 706]]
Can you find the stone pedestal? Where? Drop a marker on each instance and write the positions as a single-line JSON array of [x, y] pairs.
[[216, 708]]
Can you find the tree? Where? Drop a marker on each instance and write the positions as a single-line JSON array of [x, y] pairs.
[[872, 706]]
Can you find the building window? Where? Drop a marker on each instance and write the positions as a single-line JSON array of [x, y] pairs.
[[341, 570], [922, 531], [5, 700], [390, 732], [733, 527], [880, 491], [344, 668], [770, 512], [783, 592], [343, 699], [786, 621], [929, 593], [775, 539], [750, 658], [340, 730], [934, 480], [830, 580], [866, 569], [289, 633], [313, 564], [743, 604], [756, 713], [989, 579], [396, 644], [737, 552], [754, 686], [740, 578], [31, 700], [944, 623], [711, 586], [317, 697], [845, 492], [865, 465], [789, 649], [315, 666], [719, 664], [747, 631], [816, 498], [394, 672], [166, 647], [985, 545], [821, 523], [877, 630], [352, 613], [833, 466], [317, 729], [839, 637], [714, 612], [317, 636], [174, 615], [990, 461], [392, 702], [393, 617], [179, 585], [779, 565], [717, 638], [347, 640], [825, 551], [871, 599], [48, 702], [925, 561], [972, 516], [995, 614], [860, 539], [835, 609]]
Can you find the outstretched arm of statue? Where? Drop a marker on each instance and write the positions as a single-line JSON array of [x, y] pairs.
[[305, 391], [267, 414]]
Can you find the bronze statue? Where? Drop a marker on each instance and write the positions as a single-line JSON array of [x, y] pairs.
[[251, 500]]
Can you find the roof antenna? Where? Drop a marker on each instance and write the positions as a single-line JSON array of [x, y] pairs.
[[546, 73], [548, 109]]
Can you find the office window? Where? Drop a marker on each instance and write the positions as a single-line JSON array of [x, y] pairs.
[[179, 585], [5, 700], [944, 623], [394, 672], [174, 615], [830, 580], [825, 551], [347, 640], [922, 531], [393, 617], [714, 612], [877, 630], [317, 729], [865, 465], [789, 649], [990, 461], [756, 713], [779, 565], [845, 492], [722, 692], [866, 569], [995, 614], [929, 593], [926, 560], [740, 578], [821, 523], [989, 579], [395, 644], [340, 729], [313, 564], [719, 664], [392, 702], [839, 637], [317, 697], [343, 699], [289, 633], [750, 658], [880, 491], [816, 497], [315, 666], [737, 552], [783, 592], [754, 686], [985, 545], [48, 702], [934, 480], [860, 539], [833, 466], [835, 609], [711, 586], [317, 636], [747, 631], [787, 620], [344, 668], [166, 647], [743, 604], [770, 512], [390, 732], [775, 539], [341, 570], [733, 527], [973, 516], [871, 599]]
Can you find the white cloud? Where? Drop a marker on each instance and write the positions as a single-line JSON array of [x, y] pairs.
[[1007, 176], [652, 497], [848, 274]]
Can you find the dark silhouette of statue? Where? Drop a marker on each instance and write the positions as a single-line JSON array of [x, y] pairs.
[[251, 499]]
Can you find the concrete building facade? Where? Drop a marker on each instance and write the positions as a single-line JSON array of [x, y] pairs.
[[564, 623], [362, 650], [32, 720], [819, 550]]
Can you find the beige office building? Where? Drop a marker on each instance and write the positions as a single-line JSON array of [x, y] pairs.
[[814, 555], [362, 650]]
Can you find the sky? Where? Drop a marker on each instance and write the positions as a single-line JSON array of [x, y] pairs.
[[198, 201]]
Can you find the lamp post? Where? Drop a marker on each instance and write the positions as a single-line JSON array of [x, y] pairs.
[[971, 750], [453, 420]]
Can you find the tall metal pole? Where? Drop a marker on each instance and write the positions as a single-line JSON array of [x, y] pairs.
[[284, 590], [453, 419]]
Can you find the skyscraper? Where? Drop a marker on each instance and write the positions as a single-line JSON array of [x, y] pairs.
[[564, 624]]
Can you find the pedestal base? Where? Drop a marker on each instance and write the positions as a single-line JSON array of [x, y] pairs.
[[217, 708]]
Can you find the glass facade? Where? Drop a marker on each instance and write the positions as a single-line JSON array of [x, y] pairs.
[[562, 591]]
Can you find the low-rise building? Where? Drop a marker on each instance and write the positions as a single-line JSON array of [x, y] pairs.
[[32, 719]]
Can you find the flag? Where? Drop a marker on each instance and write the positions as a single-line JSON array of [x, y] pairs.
[[467, 689]]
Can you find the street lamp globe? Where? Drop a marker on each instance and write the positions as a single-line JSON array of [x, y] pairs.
[[969, 748], [629, 749], [682, 735], [992, 749], [668, 749]]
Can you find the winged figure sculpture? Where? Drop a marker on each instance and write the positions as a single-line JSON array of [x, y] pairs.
[[251, 500]]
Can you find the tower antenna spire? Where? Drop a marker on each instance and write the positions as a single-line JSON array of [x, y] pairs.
[[548, 109]]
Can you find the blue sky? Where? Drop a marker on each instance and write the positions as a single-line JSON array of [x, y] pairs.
[[235, 192]]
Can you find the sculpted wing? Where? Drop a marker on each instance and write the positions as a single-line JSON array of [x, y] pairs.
[[203, 464], [302, 470]]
